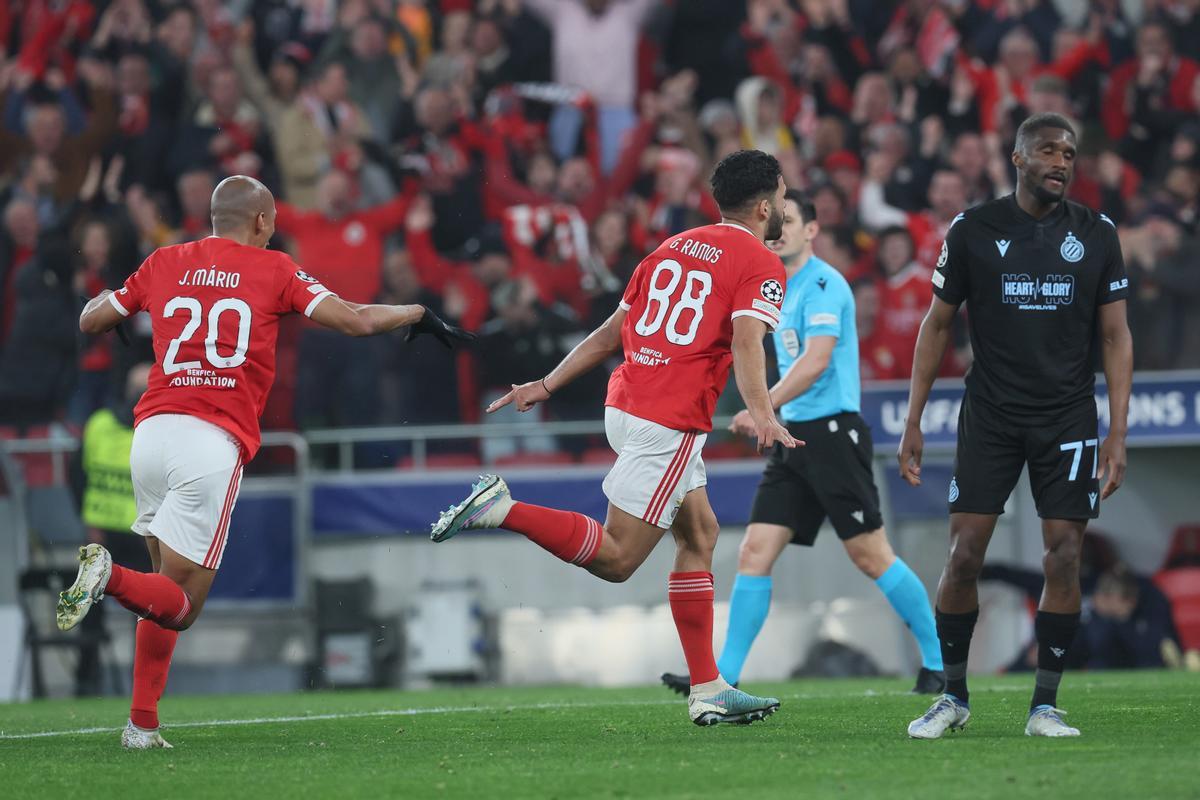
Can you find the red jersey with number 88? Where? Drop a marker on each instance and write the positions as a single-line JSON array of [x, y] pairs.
[[680, 304], [215, 306]]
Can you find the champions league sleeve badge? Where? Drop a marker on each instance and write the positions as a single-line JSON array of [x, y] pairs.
[[1071, 249]]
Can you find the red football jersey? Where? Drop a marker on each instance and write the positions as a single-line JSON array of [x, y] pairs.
[[215, 306], [681, 303], [902, 306]]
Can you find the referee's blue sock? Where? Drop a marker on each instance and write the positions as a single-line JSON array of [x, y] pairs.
[[748, 606], [904, 590]]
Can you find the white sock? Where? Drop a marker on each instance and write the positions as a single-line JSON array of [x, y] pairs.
[[710, 688]]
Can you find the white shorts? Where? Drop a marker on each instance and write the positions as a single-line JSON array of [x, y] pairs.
[[656, 467], [186, 475]]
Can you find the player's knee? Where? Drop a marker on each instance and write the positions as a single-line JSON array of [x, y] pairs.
[[965, 562], [870, 553], [619, 570], [754, 557], [1061, 560]]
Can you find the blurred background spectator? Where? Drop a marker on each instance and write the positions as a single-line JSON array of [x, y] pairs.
[[510, 162]]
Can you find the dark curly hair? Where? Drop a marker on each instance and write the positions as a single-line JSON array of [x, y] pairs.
[[744, 177], [1030, 127]]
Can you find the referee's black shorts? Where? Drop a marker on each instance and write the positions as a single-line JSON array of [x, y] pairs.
[[1061, 449], [830, 476]]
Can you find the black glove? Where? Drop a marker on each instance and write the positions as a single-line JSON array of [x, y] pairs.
[[435, 326]]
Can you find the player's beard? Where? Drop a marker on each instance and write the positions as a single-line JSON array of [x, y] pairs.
[[774, 225]]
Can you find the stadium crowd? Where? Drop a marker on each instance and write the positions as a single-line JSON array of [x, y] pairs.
[[508, 162]]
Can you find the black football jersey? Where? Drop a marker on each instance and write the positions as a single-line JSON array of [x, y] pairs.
[[1033, 289]]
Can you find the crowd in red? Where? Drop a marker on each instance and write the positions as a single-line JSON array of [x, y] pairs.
[[509, 161]]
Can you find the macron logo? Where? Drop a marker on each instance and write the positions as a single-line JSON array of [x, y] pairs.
[[1092, 499], [1058, 651], [1002, 246], [858, 516]]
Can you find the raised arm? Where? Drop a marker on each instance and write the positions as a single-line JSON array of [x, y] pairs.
[[587, 355], [750, 371], [1116, 345], [932, 341]]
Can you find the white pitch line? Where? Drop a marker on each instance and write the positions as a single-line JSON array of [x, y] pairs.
[[412, 712]]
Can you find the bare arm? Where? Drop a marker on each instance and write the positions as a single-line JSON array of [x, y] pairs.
[[99, 315], [750, 371], [355, 319], [587, 355], [818, 350], [932, 341], [1117, 351]]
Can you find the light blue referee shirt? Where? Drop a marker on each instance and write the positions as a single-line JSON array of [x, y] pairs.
[[819, 303]]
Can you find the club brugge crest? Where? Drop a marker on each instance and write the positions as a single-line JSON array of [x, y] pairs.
[[953, 489], [1071, 249]]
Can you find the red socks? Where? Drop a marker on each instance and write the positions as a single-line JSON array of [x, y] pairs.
[[151, 661], [571, 537], [691, 595], [149, 595]]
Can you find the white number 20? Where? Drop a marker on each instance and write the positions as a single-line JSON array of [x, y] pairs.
[[192, 306], [658, 305]]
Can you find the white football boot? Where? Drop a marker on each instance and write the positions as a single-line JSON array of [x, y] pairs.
[[95, 568], [946, 713], [484, 509], [1048, 721], [135, 738]]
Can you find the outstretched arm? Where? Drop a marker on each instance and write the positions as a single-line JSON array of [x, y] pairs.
[[355, 319], [587, 355], [1117, 349], [932, 341]]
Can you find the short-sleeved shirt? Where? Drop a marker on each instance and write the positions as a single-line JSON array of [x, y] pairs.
[[681, 303], [1033, 288], [215, 307], [819, 302]]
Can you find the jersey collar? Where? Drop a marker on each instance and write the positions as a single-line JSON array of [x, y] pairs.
[[738, 225]]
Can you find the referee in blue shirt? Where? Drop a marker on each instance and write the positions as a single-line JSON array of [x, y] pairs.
[[818, 394]]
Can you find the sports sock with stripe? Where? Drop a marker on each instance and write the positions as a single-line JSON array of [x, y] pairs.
[[151, 662], [904, 590], [1054, 632], [149, 595], [569, 536], [955, 631], [691, 596], [748, 607]]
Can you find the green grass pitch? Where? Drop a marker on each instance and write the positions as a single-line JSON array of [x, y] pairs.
[[845, 738]]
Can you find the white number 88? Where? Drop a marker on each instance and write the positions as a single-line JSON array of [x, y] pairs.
[[695, 291]]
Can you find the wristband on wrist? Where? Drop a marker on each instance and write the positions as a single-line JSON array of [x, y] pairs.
[[547, 388]]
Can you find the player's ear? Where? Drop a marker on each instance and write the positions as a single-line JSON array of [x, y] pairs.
[[1018, 160]]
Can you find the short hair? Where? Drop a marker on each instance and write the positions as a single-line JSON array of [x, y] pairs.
[[1038, 122], [743, 178], [808, 211]]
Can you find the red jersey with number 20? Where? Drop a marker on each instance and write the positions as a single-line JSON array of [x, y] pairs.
[[215, 307], [680, 304]]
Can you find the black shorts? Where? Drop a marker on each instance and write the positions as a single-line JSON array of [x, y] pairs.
[[830, 476], [1061, 450]]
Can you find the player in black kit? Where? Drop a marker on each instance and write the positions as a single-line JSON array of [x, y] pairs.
[[1040, 275]]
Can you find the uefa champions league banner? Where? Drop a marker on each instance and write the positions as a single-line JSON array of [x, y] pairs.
[[1164, 409]]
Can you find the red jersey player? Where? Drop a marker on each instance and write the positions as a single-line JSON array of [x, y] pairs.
[[703, 300], [215, 305]]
